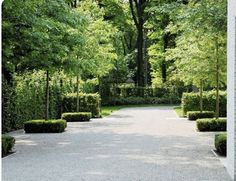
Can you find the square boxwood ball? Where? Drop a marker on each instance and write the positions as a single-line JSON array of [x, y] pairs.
[[212, 124], [45, 126], [7, 144], [221, 143], [76, 116], [194, 115]]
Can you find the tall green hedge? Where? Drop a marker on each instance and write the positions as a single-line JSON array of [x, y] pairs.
[[190, 102], [87, 103], [24, 99]]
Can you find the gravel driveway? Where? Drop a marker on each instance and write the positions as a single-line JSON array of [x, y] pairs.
[[133, 144]]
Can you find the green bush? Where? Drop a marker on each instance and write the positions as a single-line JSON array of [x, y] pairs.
[[8, 107], [190, 102], [146, 91], [212, 124], [76, 116], [221, 143], [25, 99], [42, 126], [194, 115], [7, 144], [142, 100], [87, 103]]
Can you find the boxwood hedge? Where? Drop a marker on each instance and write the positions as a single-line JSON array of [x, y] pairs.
[[88, 103], [194, 115], [7, 144], [212, 124], [221, 143], [77, 116], [190, 102], [42, 126]]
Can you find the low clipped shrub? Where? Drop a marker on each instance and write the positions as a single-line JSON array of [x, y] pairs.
[[221, 143], [76, 116], [42, 126], [7, 144], [87, 103], [194, 115], [142, 100], [190, 102], [212, 124]]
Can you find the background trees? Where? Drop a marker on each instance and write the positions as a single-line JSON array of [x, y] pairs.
[[104, 45]]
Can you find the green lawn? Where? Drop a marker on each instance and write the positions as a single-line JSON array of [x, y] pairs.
[[107, 110], [179, 111]]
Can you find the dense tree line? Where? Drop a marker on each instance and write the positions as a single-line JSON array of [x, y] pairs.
[[104, 43]]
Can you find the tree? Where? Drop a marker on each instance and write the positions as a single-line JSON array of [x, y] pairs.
[[201, 43], [138, 13], [40, 38]]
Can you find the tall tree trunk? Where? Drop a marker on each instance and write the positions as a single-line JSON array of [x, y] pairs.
[[138, 17], [47, 96], [140, 61], [77, 93], [145, 58], [217, 79], [201, 91]]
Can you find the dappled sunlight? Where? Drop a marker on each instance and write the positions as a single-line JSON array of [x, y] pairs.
[[106, 148], [26, 142]]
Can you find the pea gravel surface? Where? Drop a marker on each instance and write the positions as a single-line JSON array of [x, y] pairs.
[[132, 144]]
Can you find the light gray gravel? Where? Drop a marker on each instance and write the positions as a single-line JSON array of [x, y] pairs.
[[133, 144]]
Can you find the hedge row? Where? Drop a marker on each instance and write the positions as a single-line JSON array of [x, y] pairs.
[[190, 102], [25, 100], [221, 143], [42, 126], [194, 115], [77, 116], [141, 100], [7, 144], [212, 124], [147, 91], [87, 103]]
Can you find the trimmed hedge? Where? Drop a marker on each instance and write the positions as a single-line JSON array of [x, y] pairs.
[[7, 144], [77, 116], [194, 115], [212, 124], [141, 100], [190, 102], [147, 91], [42, 126], [221, 143], [25, 99], [87, 103]]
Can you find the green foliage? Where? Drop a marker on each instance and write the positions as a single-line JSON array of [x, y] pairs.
[[194, 115], [77, 116], [141, 100], [184, 36], [190, 102], [221, 143], [87, 102], [148, 92], [24, 100], [212, 124], [36, 36], [7, 144], [8, 107], [42, 126]]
